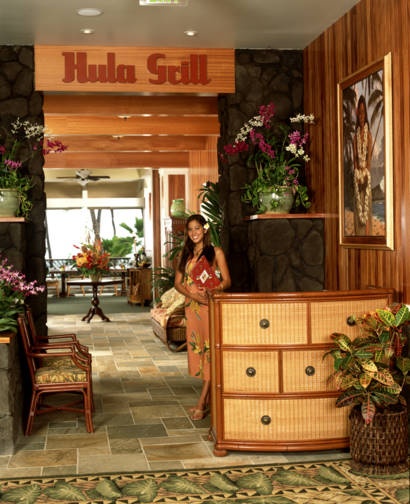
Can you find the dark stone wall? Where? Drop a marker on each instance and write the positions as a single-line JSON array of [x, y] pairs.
[[286, 255], [262, 76], [22, 243]]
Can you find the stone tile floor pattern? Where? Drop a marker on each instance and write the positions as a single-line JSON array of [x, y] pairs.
[[142, 393]]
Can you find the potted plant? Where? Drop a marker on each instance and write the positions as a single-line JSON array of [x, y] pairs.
[[18, 142], [277, 151], [371, 372], [14, 289]]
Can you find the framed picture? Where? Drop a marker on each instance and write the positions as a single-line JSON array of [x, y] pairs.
[[366, 158]]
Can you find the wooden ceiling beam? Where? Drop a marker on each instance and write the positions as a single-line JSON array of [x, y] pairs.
[[58, 125], [112, 160], [83, 143], [128, 104]]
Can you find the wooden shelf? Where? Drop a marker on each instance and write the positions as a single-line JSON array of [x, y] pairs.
[[289, 216], [12, 219]]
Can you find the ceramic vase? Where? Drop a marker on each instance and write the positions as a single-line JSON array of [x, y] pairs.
[[280, 201], [9, 202]]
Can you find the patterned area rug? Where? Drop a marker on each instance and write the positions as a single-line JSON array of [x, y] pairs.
[[300, 483]]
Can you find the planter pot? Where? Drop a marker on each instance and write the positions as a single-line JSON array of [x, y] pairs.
[[380, 447], [280, 201], [9, 202], [177, 208]]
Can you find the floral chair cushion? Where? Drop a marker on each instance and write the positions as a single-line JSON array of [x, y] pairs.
[[60, 375]]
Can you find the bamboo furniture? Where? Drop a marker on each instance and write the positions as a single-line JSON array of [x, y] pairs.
[[139, 285], [270, 388], [57, 370]]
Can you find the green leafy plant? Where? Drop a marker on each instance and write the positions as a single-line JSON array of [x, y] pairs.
[[371, 369], [212, 210], [162, 280]]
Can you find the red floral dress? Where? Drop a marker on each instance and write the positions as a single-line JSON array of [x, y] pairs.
[[197, 330]]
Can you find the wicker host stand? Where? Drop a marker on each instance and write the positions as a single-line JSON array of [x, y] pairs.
[[270, 389]]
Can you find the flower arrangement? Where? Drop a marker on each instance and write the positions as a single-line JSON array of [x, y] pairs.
[[18, 143], [371, 369], [277, 151], [14, 289], [92, 260]]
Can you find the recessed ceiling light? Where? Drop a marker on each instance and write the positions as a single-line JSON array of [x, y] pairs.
[[89, 11], [191, 33], [87, 31]]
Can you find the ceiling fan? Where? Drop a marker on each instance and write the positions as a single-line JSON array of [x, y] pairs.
[[84, 176]]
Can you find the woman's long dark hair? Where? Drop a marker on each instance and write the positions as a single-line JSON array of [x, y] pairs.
[[188, 248]]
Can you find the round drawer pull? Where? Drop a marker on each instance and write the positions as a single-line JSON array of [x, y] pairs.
[[264, 323], [351, 321], [310, 370], [250, 372], [266, 420]]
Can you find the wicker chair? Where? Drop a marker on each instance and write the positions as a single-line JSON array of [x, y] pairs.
[[54, 370]]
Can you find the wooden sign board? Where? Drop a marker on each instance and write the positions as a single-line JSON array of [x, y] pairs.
[[134, 69]]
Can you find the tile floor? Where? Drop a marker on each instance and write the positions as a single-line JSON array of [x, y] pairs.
[[142, 393]]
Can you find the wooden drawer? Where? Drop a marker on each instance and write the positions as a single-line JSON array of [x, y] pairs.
[[306, 371], [291, 419], [328, 317], [241, 323], [250, 371]]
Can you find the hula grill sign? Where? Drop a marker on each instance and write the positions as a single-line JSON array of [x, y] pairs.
[[192, 71], [134, 69]]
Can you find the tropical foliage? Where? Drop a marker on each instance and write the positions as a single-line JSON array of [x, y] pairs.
[[277, 151], [14, 289], [212, 210], [371, 369]]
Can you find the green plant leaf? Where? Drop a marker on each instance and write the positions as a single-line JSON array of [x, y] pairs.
[[387, 317], [328, 474], [403, 363], [146, 490], [368, 410], [293, 478], [182, 485], [342, 341], [25, 494], [64, 491], [222, 482], [108, 488], [384, 376], [258, 481], [402, 316]]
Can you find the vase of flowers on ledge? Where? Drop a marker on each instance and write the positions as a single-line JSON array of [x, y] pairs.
[[277, 152], [19, 141], [92, 261]]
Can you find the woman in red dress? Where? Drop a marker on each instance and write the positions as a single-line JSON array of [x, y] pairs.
[[197, 244]]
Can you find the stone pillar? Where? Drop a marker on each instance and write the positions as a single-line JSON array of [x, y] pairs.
[[262, 76], [11, 404], [287, 254], [18, 99]]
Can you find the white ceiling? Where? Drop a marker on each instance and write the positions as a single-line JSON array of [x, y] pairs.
[[242, 24], [275, 24]]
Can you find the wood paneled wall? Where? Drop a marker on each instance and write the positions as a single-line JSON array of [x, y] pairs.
[[365, 34]]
